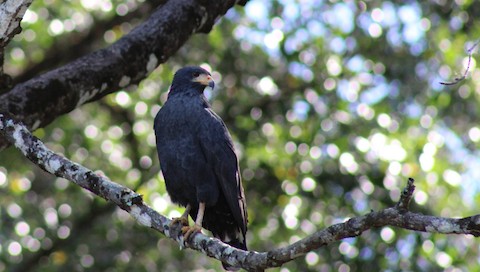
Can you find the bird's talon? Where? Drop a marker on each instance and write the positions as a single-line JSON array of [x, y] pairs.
[[187, 231], [181, 220]]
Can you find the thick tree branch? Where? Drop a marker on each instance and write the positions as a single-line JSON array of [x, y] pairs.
[[131, 202], [11, 14], [84, 42], [40, 100]]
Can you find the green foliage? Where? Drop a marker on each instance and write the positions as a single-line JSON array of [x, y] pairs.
[[331, 106]]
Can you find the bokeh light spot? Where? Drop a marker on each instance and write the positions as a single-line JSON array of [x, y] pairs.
[[56, 27], [308, 184], [311, 258], [387, 234], [22, 228], [443, 259], [14, 248]]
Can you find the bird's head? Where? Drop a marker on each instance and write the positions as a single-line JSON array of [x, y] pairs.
[[191, 78]]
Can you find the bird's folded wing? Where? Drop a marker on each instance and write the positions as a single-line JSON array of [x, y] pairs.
[[218, 149]]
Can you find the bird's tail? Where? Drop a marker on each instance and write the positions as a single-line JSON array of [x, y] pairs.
[[238, 242]]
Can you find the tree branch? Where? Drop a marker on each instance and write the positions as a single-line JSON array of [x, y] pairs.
[[79, 226], [131, 202], [60, 52], [40, 100], [11, 14]]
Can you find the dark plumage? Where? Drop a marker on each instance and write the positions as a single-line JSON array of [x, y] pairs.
[[198, 160]]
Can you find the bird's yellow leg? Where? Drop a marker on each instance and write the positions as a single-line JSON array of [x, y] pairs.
[[187, 230], [182, 219]]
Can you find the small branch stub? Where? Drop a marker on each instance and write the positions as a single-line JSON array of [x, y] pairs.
[[406, 196]]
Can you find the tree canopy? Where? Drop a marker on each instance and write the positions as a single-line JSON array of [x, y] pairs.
[[332, 106]]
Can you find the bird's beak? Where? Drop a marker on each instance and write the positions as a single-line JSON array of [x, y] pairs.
[[206, 80]]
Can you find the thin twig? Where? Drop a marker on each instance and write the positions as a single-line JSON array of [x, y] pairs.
[[458, 79]]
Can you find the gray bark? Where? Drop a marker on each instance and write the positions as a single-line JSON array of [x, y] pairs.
[[11, 14]]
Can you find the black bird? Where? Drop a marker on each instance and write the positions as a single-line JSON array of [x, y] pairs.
[[198, 160]]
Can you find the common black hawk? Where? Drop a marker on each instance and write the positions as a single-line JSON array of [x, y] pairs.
[[198, 160]]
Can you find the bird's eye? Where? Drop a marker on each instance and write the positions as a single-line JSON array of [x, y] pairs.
[[196, 74]]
